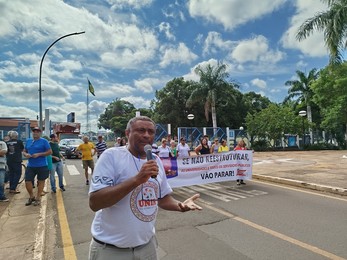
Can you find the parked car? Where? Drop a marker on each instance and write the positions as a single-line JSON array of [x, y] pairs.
[[68, 147]]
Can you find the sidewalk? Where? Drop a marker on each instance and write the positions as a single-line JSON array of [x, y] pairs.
[[22, 228], [317, 170]]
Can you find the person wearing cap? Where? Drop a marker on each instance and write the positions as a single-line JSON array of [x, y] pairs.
[[183, 149], [100, 146], [36, 149], [118, 140], [57, 164]]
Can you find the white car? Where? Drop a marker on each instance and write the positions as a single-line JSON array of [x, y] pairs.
[[68, 147]]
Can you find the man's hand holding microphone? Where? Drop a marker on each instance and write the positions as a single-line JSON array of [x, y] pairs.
[[150, 169]]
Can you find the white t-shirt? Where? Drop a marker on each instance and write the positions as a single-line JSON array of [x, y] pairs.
[[131, 221], [3, 147], [183, 150], [163, 151]]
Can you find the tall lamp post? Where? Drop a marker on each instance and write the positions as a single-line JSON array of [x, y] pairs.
[[191, 117], [40, 90], [241, 131], [303, 113]]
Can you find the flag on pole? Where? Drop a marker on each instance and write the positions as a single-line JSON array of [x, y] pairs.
[[91, 88]]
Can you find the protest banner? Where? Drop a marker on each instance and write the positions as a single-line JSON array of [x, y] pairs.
[[208, 168]]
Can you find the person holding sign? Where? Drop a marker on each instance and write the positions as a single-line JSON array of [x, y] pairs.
[[241, 145], [183, 149], [203, 147], [223, 147]]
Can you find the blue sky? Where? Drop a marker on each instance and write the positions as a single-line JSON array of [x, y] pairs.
[[133, 47]]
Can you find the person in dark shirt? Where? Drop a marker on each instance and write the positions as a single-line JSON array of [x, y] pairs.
[[15, 148], [203, 147], [57, 164], [100, 146]]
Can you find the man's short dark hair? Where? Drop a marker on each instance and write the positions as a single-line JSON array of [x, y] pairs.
[[139, 118], [52, 136]]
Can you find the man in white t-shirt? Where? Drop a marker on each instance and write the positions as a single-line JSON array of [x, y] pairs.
[[125, 193], [183, 149]]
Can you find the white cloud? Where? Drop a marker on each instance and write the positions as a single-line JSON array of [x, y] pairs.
[[112, 91], [138, 102], [136, 4], [181, 55], [232, 13], [166, 28], [256, 50], [147, 85], [17, 111], [173, 11], [259, 83], [214, 43]]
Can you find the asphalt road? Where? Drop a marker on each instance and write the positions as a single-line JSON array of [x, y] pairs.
[[254, 221]]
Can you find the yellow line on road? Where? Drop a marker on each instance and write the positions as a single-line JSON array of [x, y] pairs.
[[294, 241], [68, 247]]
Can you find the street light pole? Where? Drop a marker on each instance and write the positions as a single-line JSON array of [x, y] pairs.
[[303, 113], [191, 117], [40, 90]]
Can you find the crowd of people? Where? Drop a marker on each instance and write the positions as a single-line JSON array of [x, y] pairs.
[[46, 161], [126, 186]]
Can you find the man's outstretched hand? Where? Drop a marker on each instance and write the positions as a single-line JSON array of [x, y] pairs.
[[189, 204]]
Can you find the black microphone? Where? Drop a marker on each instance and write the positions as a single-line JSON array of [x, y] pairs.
[[149, 155]]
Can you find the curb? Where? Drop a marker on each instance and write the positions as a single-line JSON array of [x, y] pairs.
[[40, 234], [302, 184]]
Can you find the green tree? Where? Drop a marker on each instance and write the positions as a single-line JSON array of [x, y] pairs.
[[272, 123], [333, 23], [330, 93], [301, 92], [116, 116], [212, 83], [169, 105], [255, 102]]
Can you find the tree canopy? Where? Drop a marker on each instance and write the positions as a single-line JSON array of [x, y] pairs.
[[333, 23]]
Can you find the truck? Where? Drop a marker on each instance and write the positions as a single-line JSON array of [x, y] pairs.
[[69, 136], [66, 130]]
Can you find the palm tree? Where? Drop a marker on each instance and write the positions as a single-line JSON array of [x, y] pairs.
[[333, 23], [212, 79], [302, 91]]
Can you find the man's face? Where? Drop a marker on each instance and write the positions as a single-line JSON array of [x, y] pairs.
[[85, 139], [36, 134], [140, 134]]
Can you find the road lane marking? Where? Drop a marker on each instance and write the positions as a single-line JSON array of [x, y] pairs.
[[72, 169], [220, 192], [271, 232], [300, 189], [68, 247]]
